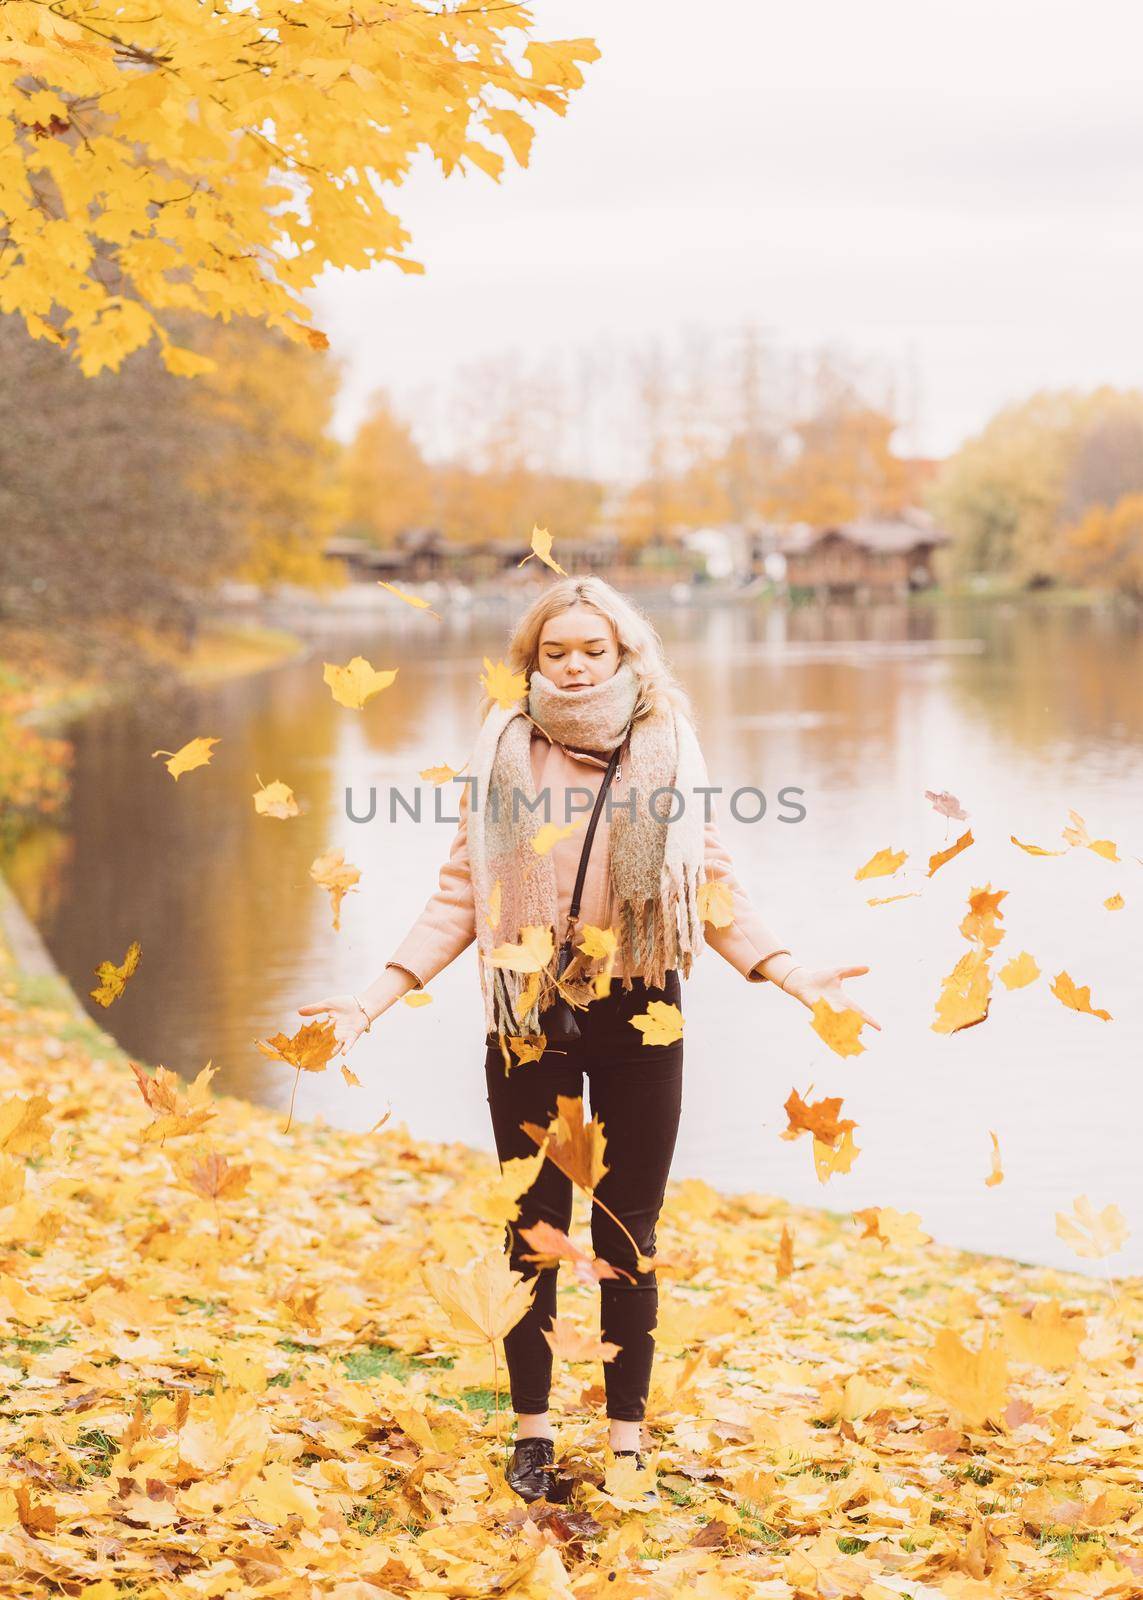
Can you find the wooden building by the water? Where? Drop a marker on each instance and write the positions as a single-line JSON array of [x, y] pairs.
[[868, 557]]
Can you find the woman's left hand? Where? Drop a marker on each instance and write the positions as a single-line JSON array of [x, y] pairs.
[[809, 984]]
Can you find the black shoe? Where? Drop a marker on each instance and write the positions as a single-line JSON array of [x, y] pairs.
[[530, 1470]]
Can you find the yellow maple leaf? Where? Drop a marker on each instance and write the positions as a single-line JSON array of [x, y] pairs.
[[715, 903], [532, 953], [417, 997], [113, 979], [546, 835], [972, 1383], [499, 1200], [888, 899], [1114, 902], [941, 856], [502, 684], [1076, 998], [574, 1146], [882, 865], [333, 873], [841, 1030], [569, 1343], [275, 799], [195, 753], [1035, 849], [442, 774], [997, 1173], [831, 1158], [965, 994], [356, 682], [1090, 1233], [1020, 971], [542, 547], [409, 599], [1077, 834], [1045, 1337], [661, 1023], [482, 1301]]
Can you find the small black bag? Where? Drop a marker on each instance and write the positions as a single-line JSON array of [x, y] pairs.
[[558, 1019]]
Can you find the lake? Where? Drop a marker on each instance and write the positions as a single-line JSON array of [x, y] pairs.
[[1021, 711]]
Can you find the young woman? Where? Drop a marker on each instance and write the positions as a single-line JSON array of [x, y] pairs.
[[597, 681]]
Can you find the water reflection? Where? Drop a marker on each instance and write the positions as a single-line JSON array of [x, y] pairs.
[[1019, 712]]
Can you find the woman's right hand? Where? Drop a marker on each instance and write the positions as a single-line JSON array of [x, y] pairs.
[[347, 1016]]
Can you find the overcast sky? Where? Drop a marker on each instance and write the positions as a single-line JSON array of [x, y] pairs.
[[953, 189]]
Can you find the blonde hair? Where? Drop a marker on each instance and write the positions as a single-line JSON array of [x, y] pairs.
[[639, 642]]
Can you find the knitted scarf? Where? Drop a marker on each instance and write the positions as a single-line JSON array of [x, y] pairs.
[[654, 867]]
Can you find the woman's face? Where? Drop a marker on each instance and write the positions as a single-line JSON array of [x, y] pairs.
[[577, 648]]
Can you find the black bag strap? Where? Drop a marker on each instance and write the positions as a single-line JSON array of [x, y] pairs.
[[573, 909]]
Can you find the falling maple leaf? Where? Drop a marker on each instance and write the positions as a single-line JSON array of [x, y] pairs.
[[661, 1023], [715, 902], [195, 753], [113, 979], [966, 994], [482, 1301], [502, 684], [892, 1227], [1020, 971], [331, 871], [417, 997], [548, 833], [23, 1131], [941, 856], [888, 899], [209, 1174], [309, 1050], [575, 1147], [176, 1112], [1077, 834], [551, 1244], [997, 1174], [356, 682], [1035, 849], [980, 922], [784, 1257], [532, 954], [882, 865], [542, 547], [569, 1343], [819, 1117], [1078, 999], [841, 1030], [410, 599], [1114, 902], [442, 774], [1090, 1233], [948, 805], [499, 1201], [275, 799]]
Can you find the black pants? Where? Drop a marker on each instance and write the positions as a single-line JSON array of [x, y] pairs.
[[636, 1093]]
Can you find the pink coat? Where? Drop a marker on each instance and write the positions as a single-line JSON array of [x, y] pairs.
[[447, 925]]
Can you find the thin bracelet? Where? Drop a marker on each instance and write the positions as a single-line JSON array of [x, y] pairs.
[[365, 1014], [794, 968]]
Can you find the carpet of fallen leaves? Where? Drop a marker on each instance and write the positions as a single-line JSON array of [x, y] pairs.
[[254, 1393]]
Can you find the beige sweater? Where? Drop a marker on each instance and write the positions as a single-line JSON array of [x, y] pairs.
[[446, 926]]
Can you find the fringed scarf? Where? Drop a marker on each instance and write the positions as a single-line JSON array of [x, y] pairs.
[[655, 867]]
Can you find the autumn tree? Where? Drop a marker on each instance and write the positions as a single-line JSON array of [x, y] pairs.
[[1012, 492], [215, 159], [388, 483]]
